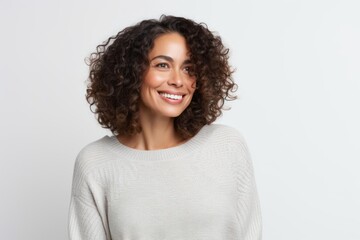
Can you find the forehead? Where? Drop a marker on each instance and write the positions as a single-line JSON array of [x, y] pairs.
[[170, 44]]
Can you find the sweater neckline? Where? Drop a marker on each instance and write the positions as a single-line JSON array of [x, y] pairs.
[[178, 151]]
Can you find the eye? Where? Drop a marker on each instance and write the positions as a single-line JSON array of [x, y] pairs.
[[189, 70], [162, 65]]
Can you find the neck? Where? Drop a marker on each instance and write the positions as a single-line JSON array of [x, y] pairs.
[[158, 132]]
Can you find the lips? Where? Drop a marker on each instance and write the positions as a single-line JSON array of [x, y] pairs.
[[172, 95]]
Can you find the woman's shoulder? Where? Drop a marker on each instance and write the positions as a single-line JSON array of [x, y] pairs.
[[226, 140], [95, 146], [224, 132], [93, 154]]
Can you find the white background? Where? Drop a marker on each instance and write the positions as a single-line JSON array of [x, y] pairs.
[[298, 70]]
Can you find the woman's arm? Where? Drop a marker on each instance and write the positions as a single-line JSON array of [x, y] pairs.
[[249, 212], [87, 213]]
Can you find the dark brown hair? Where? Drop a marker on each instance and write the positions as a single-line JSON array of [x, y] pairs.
[[117, 67]]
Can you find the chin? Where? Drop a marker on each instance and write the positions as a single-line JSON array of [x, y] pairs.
[[172, 114]]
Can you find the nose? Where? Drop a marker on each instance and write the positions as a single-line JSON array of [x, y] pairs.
[[175, 79]]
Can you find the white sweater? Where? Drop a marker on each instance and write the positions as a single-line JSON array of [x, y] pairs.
[[203, 189]]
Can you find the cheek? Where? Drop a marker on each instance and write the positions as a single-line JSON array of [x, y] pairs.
[[192, 86], [153, 80]]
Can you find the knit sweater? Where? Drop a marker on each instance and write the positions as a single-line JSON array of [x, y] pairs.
[[203, 189]]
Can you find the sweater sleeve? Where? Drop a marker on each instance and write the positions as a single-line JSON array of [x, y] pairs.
[[249, 213], [87, 216]]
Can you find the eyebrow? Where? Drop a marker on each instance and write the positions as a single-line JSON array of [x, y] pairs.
[[170, 59]]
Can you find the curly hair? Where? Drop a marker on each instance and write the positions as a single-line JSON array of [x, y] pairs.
[[118, 65]]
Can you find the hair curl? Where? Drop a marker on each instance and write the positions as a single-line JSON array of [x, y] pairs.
[[117, 67]]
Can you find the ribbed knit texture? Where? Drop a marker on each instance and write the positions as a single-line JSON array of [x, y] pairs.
[[203, 189]]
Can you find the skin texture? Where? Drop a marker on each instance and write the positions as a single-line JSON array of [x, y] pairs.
[[169, 71]]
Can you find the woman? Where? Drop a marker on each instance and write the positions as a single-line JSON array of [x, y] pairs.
[[166, 172]]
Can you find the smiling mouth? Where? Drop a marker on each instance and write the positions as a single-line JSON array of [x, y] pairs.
[[171, 96]]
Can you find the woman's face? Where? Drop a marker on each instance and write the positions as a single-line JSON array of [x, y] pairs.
[[168, 85]]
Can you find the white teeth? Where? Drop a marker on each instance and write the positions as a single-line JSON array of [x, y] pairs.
[[171, 96]]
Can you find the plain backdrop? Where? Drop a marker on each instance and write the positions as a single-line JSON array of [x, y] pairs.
[[298, 70]]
